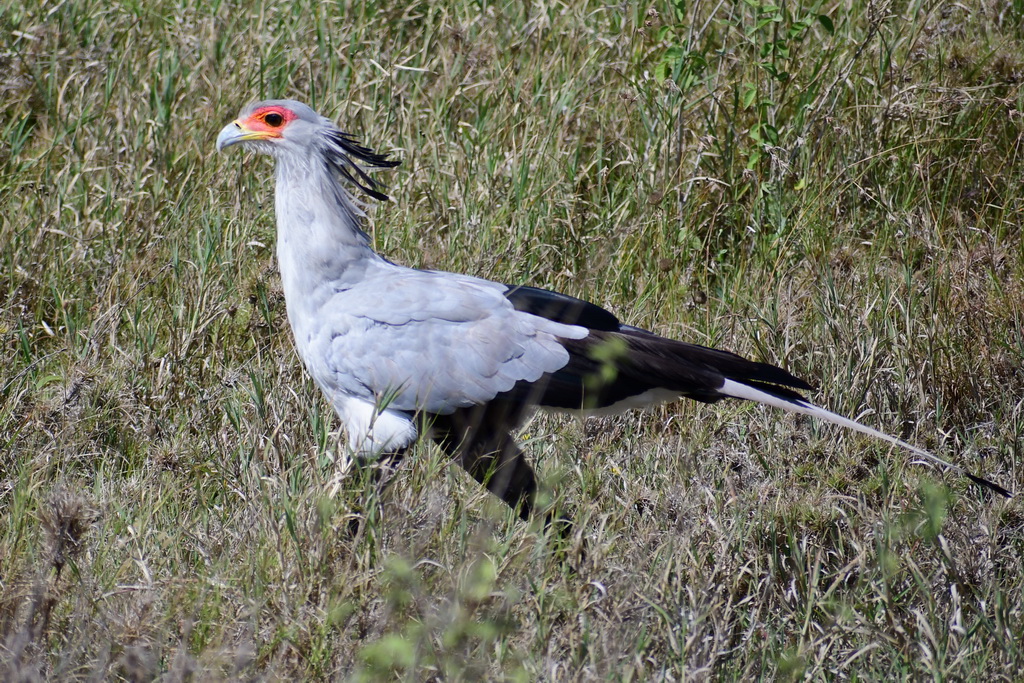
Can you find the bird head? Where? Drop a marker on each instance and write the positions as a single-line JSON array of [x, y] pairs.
[[274, 127], [290, 130]]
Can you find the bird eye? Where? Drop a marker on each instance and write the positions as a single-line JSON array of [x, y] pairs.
[[273, 119]]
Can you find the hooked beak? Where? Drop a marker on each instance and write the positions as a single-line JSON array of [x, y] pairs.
[[235, 132]]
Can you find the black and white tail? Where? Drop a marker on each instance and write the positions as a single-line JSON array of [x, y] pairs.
[[617, 367]]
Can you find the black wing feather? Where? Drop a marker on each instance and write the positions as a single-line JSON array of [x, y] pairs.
[[605, 368], [561, 308], [616, 361]]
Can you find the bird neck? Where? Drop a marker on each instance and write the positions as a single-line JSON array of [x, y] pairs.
[[320, 245]]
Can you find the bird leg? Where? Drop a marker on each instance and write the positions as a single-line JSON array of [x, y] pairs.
[[380, 469], [500, 466], [494, 459], [479, 440], [375, 474]]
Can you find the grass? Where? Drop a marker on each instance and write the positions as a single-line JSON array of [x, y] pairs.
[[834, 187]]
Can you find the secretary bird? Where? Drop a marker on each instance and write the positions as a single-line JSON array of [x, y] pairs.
[[402, 353]]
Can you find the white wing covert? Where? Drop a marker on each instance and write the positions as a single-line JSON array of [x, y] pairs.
[[434, 342]]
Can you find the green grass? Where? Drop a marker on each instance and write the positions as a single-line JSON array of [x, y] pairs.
[[841, 196]]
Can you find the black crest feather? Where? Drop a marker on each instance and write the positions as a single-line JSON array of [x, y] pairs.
[[341, 151]]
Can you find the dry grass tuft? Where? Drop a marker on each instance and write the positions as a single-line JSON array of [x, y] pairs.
[[65, 520]]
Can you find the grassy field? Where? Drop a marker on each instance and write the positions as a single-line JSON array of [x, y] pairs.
[[834, 187]]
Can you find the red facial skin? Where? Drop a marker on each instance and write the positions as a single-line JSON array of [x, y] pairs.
[[257, 121]]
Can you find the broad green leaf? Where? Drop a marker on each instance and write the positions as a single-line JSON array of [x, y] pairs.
[[661, 72], [747, 94]]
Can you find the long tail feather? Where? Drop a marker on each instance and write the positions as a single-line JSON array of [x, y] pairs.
[[738, 390]]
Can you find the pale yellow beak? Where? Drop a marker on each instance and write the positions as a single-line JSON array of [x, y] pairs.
[[235, 132]]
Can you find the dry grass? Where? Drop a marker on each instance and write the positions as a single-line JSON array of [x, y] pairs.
[[839, 196]]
